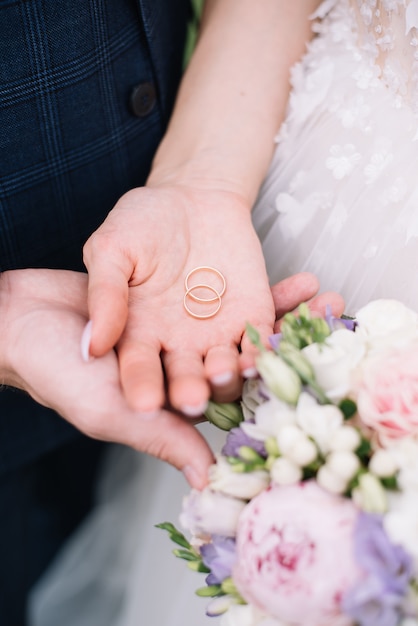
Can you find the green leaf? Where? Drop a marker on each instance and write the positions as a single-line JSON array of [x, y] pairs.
[[168, 526], [198, 566], [348, 408], [364, 450], [186, 555], [175, 535], [254, 336], [210, 591], [390, 482]]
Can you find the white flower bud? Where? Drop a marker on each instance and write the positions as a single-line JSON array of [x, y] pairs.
[[238, 485], [220, 605], [383, 464], [288, 437], [345, 438], [281, 380], [303, 453], [284, 472], [330, 481], [344, 464], [370, 495]]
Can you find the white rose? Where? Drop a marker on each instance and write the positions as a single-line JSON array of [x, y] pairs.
[[285, 472], [335, 360], [269, 417], [383, 464], [401, 522], [280, 379], [405, 455], [209, 513], [236, 484], [319, 421], [386, 322]]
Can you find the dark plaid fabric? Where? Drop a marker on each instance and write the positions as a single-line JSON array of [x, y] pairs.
[[70, 144]]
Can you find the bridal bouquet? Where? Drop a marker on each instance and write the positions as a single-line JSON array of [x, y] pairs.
[[310, 517]]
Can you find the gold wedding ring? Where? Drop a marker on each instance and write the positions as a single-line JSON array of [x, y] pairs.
[[198, 299]]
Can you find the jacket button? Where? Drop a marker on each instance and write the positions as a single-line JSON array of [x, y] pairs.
[[143, 98]]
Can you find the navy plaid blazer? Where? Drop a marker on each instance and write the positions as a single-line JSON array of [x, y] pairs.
[[86, 90]]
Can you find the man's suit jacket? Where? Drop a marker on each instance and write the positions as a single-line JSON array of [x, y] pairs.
[[86, 90]]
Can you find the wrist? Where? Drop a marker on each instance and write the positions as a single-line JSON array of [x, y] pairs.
[[203, 171]]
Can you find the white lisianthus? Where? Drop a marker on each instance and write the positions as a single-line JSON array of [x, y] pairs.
[[335, 360], [319, 421], [345, 438], [251, 398], [200, 513], [401, 522], [269, 417], [330, 481], [370, 494], [383, 464], [246, 485], [386, 322], [343, 463], [295, 445], [284, 472], [280, 379]]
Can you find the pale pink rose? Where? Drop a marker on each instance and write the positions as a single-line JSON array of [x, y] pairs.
[[295, 554], [387, 393]]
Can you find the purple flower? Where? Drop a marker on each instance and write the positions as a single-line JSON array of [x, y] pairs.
[[274, 340], [219, 556], [377, 600], [378, 556], [370, 604], [236, 439], [337, 322]]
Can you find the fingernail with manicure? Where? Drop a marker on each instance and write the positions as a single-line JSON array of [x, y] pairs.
[[194, 411], [85, 343], [250, 372], [222, 379]]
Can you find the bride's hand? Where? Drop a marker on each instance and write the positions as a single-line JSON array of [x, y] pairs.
[[42, 316], [137, 262]]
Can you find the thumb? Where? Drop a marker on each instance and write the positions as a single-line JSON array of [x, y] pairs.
[[176, 440], [108, 288], [290, 292]]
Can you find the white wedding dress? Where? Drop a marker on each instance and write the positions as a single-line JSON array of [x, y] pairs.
[[340, 200]]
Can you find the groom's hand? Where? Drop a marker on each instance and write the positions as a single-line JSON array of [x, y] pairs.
[[42, 316], [304, 287]]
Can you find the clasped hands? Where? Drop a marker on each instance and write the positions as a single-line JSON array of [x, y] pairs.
[[152, 367]]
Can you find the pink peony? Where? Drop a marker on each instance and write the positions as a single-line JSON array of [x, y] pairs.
[[295, 554], [387, 393]]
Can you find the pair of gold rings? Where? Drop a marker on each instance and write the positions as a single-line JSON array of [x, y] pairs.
[[202, 299]]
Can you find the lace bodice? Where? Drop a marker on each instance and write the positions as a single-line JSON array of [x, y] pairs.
[[388, 31]]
